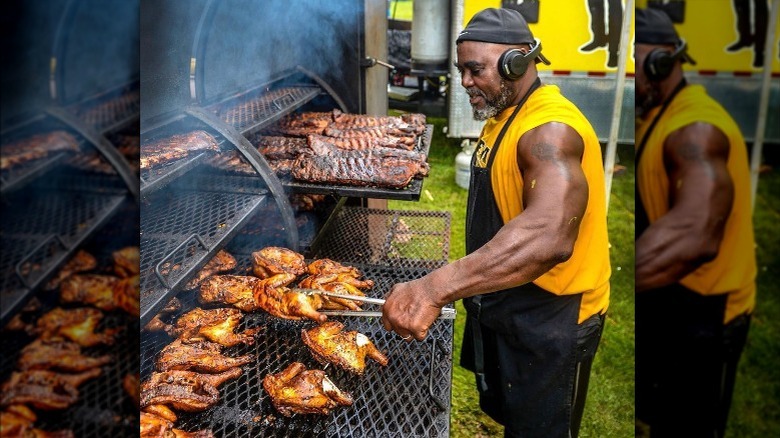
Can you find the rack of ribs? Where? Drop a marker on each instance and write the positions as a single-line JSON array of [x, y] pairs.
[[176, 147], [375, 171], [36, 147]]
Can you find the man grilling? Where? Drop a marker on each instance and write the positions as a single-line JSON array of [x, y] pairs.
[[535, 280], [695, 256]]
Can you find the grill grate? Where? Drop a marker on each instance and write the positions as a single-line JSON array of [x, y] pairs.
[[398, 238], [103, 408], [410, 397], [110, 112], [40, 236], [254, 112], [179, 230]]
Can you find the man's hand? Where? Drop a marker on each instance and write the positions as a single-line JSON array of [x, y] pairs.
[[410, 310]]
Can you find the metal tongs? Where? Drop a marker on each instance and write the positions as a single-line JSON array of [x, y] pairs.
[[446, 312]]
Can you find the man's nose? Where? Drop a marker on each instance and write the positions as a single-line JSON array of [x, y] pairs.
[[466, 80]]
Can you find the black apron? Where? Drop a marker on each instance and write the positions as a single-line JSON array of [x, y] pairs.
[[519, 342]]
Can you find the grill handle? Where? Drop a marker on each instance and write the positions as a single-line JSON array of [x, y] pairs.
[[158, 266], [37, 248], [437, 400]]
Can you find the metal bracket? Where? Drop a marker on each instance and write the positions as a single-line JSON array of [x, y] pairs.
[[158, 266], [37, 248]]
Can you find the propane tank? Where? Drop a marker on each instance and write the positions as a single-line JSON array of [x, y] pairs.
[[430, 33], [463, 164]]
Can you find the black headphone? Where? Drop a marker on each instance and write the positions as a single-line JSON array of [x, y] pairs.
[[660, 62], [513, 63]]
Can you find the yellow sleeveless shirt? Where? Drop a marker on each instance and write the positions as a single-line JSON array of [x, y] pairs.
[[733, 271], [588, 270]]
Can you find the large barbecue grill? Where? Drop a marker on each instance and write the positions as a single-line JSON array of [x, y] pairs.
[[81, 199], [235, 70]]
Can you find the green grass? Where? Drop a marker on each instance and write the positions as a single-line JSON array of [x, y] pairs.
[[609, 409], [755, 409]]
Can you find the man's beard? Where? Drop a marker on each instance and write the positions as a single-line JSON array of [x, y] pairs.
[[492, 106], [647, 99]]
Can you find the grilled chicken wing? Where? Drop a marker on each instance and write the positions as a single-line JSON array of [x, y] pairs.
[[274, 260], [44, 389], [154, 426], [57, 355], [215, 325], [131, 385], [201, 356], [127, 261], [78, 325], [236, 290], [81, 262], [184, 390], [222, 262], [329, 342], [275, 298], [162, 411], [17, 422], [299, 391]]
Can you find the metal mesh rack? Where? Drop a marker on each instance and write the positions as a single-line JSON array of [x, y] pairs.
[[39, 237], [410, 397], [253, 112], [408, 193], [110, 111], [398, 238], [180, 231], [103, 407]]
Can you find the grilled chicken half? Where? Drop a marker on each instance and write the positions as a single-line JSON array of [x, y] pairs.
[[216, 325], [297, 390], [330, 343], [184, 390], [236, 290], [57, 355], [274, 260], [17, 421], [201, 356], [43, 389], [154, 426], [78, 325], [274, 297], [328, 275]]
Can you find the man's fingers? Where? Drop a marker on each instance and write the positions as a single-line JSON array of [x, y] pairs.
[[386, 324]]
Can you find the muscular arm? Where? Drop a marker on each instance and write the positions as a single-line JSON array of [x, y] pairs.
[[700, 198], [555, 195]]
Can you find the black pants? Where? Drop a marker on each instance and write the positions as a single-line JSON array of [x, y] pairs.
[[537, 363], [686, 362]]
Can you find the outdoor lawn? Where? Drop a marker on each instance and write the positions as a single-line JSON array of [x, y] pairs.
[[609, 411]]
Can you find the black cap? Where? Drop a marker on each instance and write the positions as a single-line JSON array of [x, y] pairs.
[[653, 26], [500, 26]]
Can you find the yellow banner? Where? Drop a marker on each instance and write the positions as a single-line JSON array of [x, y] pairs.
[[565, 29]]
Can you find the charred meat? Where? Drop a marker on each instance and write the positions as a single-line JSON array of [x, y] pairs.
[[131, 385], [184, 390], [297, 390], [375, 171], [216, 325], [221, 262], [57, 355], [330, 343], [78, 325], [44, 389], [81, 262], [204, 356], [127, 261], [17, 421], [176, 147], [282, 302], [36, 147], [275, 260], [236, 290]]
